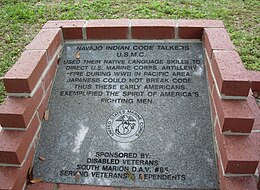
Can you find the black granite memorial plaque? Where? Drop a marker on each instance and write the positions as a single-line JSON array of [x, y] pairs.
[[133, 114]]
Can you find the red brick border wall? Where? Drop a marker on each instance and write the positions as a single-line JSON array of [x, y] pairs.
[[233, 92]]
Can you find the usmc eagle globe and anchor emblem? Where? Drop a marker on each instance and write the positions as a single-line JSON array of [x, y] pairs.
[[125, 125]]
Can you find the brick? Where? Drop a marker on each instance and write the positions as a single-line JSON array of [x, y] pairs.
[[47, 39], [49, 77], [43, 107], [211, 87], [140, 188], [255, 80], [15, 144], [216, 39], [236, 183], [255, 110], [41, 186], [84, 187], [234, 115], [107, 29], [72, 33], [238, 153], [25, 73], [14, 178], [152, 29], [258, 184], [62, 23], [71, 29], [230, 74], [210, 80], [200, 23], [190, 32], [17, 112], [193, 29], [213, 111]]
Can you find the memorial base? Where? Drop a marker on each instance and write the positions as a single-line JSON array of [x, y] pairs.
[[233, 94]]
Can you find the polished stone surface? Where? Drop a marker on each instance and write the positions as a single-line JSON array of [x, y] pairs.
[[131, 114]]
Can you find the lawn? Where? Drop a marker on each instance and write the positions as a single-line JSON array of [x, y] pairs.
[[21, 20]]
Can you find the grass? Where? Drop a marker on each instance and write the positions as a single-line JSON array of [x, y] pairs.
[[21, 20]]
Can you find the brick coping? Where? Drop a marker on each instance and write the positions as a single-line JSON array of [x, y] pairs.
[[233, 94]]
